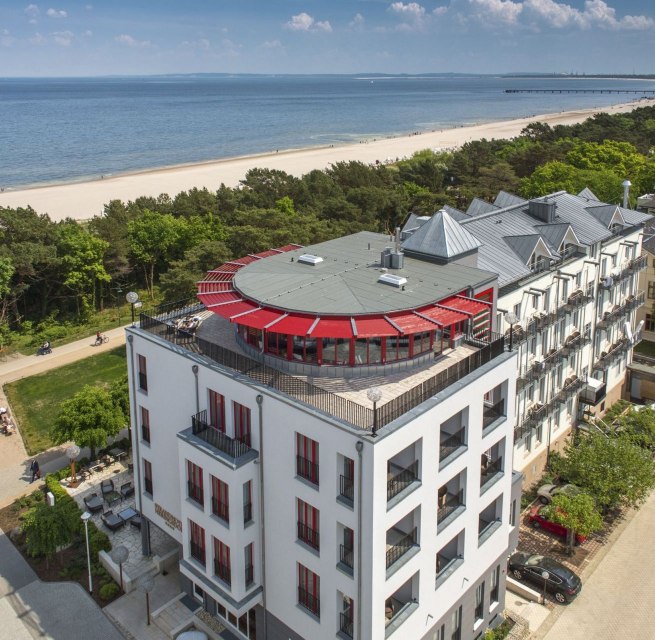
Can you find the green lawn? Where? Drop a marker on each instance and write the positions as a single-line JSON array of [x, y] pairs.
[[35, 400]]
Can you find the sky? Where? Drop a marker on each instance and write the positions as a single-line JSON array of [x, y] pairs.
[[137, 37]]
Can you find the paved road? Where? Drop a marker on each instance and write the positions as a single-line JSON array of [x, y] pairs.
[[618, 599], [14, 462]]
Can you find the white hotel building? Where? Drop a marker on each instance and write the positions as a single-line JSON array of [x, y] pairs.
[[302, 508], [568, 277]]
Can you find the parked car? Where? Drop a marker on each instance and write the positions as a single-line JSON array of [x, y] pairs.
[[561, 581], [539, 521], [547, 492]]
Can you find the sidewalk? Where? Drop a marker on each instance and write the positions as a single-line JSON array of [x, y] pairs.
[[14, 462]]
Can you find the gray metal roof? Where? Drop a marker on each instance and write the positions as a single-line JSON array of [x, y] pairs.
[[605, 213], [554, 234], [635, 217], [411, 222], [479, 206], [588, 194], [523, 246], [455, 214], [505, 199], [441, 237], [345, 283]]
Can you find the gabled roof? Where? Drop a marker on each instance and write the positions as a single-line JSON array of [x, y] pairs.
[[456, 214], [441, 237], [607, 214], [588, 194], [479, 206], [525, 246], [505, 199], [556, 233]]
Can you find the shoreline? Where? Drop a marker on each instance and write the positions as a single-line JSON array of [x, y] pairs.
[[85, 199]]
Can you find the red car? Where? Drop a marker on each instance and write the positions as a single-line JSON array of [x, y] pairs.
[[539, 521]]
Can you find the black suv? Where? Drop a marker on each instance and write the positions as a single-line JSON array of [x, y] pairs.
[[560, 581]]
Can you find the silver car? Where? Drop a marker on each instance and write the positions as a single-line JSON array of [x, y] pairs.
[[547, 492]]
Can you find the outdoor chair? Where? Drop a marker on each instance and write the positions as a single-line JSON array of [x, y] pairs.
[[107, 486], [136, 522], [127, 490], [112, 521], [93, 503]]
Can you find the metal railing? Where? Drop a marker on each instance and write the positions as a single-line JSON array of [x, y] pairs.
[[217, 439], [307, 469], [143, 381], [308, 535], [309, 601], [444, 563], [223, 571], [492, 413], [615, 352], [197, 552], [247, 512], [346, 555], [401, 547], [489, 472], [346, 624], [341, 408], [402, 479], [453, 501], [221, 509], [452, 443], [250, 574], [347, 487], [195, 492], [145, 432]]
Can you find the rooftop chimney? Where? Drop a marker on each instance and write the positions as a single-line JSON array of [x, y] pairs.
[[542, 210], [626, 192]]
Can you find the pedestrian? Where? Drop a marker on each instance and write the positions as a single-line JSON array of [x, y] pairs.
[[36, 471]]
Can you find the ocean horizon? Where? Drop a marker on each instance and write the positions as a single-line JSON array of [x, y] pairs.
[[59, 130]]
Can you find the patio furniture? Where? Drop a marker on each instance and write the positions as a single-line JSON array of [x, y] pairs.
[[112, 498], [95, 466], [136, 521], [107, 486], [112, 521], [127, 490], [93, 503], [128, 514], [117, 454]]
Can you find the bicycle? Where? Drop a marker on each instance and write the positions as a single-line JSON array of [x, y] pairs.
[[101, 340]]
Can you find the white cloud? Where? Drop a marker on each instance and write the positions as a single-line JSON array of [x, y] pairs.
[[129, 41], [305, 22], [503, 11], [231, 49], [411, 10], [56, 13], [6, 39], [88, 7], [440, 11], [63, 38], [202, 44], [88, 33], [271, 44], [32, 11], [37, 39], [357, 22]]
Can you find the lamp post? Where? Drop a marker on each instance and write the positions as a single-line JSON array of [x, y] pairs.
[[132, 297], [120, 555], [85, 519], [72, 452], [374, 395], [146, 585], [511, 319], [545, 575]]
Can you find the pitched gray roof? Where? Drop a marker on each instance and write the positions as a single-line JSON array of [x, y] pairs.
[[523, 246], [479, 206], [588, 194], [441, 237], [504, 199], [554, 234], [635, 217], [456, 214], [604, 213]]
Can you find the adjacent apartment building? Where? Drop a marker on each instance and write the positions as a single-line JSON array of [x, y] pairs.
[[329, 438], [568, 277]]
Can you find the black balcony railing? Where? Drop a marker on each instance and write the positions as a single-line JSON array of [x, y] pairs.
[[492, 413], [490, 471], [401, 478], [250, 574], [147, 483], [347, 488], [346, 555], [247, 512], [229, 446], [195, 492], [307, 469], [399, 548], [448, 506], [197, 552], [221, 509], [309, 601], [145, 432], [346, 624], [308, 535], [223, 571], [615, 352], [444, 562], [451, 442], [143, 381]]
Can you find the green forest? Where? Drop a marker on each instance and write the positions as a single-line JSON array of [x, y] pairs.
[[56, 277]]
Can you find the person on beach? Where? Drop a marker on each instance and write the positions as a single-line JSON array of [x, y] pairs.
[[36, 471]]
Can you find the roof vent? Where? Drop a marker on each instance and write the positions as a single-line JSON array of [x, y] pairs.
[[308, 258], [392, 279]]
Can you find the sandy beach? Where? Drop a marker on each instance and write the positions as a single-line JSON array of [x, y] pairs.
[[83, 200]]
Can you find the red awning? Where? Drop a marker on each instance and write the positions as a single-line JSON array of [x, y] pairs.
[[411, 323], [373, 327], [231, 267], [258, 319], [294, 325], [234, 308], [468, 305], [333, 328], [242, 262], [209, 299], [444, 317], [213, 287]]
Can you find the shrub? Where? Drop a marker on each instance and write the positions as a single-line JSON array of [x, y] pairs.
[[108, 591], [98, 541]]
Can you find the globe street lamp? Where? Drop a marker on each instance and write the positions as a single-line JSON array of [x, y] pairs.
[[374, 395], [511, 319], [85, 519], [545, 575], [120, 555], [132, 297], [146, 585], [71, 453]]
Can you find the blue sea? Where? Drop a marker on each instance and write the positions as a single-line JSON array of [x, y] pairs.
[[63, 130]]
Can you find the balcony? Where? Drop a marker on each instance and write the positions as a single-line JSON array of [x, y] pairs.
[[399, 478], [451, 445], [309, 601], [638, 264], [223, 571], [492, 413], [608, 358], [490, 473], [249, 574], [486, 529], [346, 624], [397, 609], [235, 451], [308, 535], [346, 557], [143, 382], [247, 512], [195, 492], [221, 510], [307, 469], [197, 552], [447, 564], [399, 543], [571, 386], [347, 489], [450, 506], [577, 300]]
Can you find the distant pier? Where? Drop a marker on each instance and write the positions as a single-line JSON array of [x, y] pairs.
[[641, 91]]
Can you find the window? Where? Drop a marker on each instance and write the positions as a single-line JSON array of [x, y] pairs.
[[533, 346], [249, 554], [222, 567], [546, 300], [441, 633], [309, 590], [308, 524], [517, 310], [194, 482], [241, 423], [479, 601], [220, 499], [217, 410], [456, 624], [147, 477], [347, 479], [346, 548], [145, 424], [307, 458], [346, 616], [247, 502], [495, 584], [512, 514], [197, 542], [650, 323], [143, 374]]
